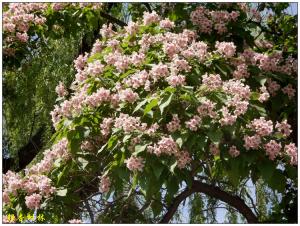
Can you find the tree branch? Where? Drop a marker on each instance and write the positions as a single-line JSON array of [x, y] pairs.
[[214, 192], [113, 19]]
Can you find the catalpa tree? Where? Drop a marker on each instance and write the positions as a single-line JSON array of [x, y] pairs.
[[160, 110]]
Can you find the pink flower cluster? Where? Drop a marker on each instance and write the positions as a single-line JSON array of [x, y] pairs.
[[33, 201], [96, 99], [19, 18], [75, 221], [149, 18], [212, 81], [261, 126], [58, 150], [95, 68], [264, 94], [165, 146], [127, 123], [135, 163], [241, 71], [272, 149], [105, 184], [61, 90], [207, 109], [227, 49], [183, 158], [106, 126], [273, 62], [87, 146], [174, 125], [166, 23], [138, 79], [252, 142], [176, 80], [292, 151], [289, 90], [273, 86], [284, 128], [193, 123], [206, 20]]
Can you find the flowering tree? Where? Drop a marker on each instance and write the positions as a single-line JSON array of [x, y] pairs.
[[160, 110]]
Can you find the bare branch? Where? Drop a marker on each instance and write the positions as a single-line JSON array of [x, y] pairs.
[[214, 192]]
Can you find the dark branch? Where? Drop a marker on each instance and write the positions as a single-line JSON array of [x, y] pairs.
[[214, 192], [113, 19], [148, 6]]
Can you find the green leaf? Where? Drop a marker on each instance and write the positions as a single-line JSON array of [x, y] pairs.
[[165, 102], [62, 192], [157, 170], [156, 208], [83, 162], [139, 148], [111, 142], [254, 95], [215, 135], [102, 148], [173, 166], [179, 142], [126, 137], [138, 107], [153, 103]]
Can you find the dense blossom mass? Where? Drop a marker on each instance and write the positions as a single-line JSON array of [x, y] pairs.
[[141, 86]]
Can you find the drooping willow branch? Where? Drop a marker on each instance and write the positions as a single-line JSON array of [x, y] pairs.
[[214, 192]]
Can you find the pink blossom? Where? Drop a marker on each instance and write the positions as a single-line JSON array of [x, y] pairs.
[[292, 151], [33, 201], [176, 80], [127, 123], [97, 47], [193, 123], [5, 197], [207, 109], [86, 146], [95, 68], [106, 31], [159, 70], [212, 81], [241, 72], [165, 146], [105, 184], [149, 18], [127, 95], [264, 94], [262, 126], [273, 86], [106, 126], [61, 90], [226, 48], [94, 100], [75, 221], [135, 163], [174, 125], [272, 149], [132, 28], [23, 37], [228, 119], [183, 158], [252, 142], [166, 23], [289, 90], [284, 128]]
